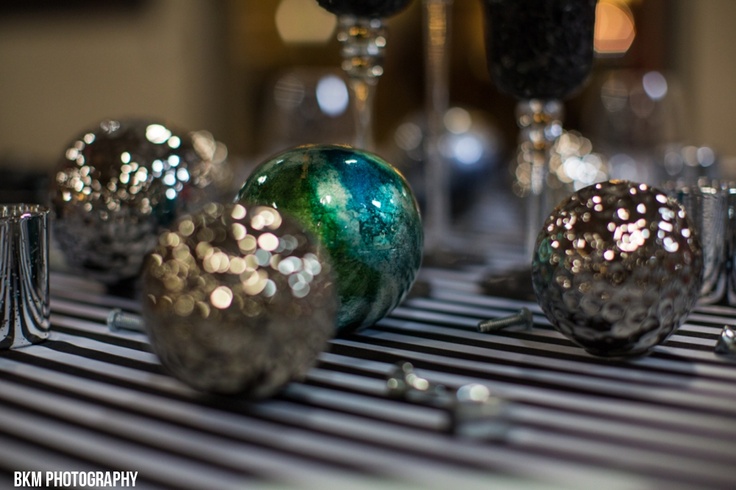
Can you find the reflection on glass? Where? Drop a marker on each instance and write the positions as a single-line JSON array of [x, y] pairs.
[[706, 206], [24, 275], [469, 147], [572, 165], [306, 106], [637, 119]]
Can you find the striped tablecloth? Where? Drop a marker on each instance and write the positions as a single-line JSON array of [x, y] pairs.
[[90, 399]]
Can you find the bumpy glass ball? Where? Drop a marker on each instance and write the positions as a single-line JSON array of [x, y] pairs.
[[238, 300], [365, 214], [617, 268], [117, 186]]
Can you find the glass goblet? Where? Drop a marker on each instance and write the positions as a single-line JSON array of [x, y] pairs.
[[540, 52], [362, 35]]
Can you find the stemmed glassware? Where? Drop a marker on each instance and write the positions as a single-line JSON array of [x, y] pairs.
[[362, 35], [541, 52], [436, 20]]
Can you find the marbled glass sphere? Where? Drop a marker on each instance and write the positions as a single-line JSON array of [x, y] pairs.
[[117, 186], [238, 300], [617, 268], [364, 212]]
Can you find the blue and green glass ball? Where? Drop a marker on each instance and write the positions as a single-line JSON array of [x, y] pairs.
[[364, 213]]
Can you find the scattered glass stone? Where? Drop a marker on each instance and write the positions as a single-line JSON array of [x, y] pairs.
[[473, 411], [726, 344]]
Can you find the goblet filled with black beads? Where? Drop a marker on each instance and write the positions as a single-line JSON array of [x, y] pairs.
[[540, 52]]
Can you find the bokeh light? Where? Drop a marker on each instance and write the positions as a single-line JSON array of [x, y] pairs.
[[615, 28]]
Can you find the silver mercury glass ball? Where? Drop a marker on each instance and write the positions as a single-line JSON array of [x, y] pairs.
[[617, 268], [118, 185], [238, 300]]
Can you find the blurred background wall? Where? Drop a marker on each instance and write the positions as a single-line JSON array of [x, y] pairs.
[[213, 65], [63, 68]]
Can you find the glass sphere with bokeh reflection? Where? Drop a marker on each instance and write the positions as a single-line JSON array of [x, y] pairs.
[[364, 212], [617, 268], [117, 185], [238, 300]]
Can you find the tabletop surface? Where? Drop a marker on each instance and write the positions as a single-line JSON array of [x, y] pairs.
[[91, 399]]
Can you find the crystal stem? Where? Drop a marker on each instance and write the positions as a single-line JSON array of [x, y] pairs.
[[540, 123], [363, 94], [437, 195], [363, 41]]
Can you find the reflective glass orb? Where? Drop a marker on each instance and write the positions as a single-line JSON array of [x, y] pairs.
[[238, 300], [117, 186], [365, 214], [617, 268]]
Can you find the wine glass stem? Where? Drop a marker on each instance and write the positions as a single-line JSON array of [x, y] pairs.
[[436, 42], [363, 93], [540, 123], [363, 41]]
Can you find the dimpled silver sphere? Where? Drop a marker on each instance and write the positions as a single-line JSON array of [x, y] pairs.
[[617, 268], [117, 186], [238, 300]]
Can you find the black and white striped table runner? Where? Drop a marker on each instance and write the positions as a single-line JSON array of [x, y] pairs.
[[91, 399]]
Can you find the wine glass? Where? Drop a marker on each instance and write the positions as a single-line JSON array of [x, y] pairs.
[[362, 35], [540, 52], [436, 17]]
